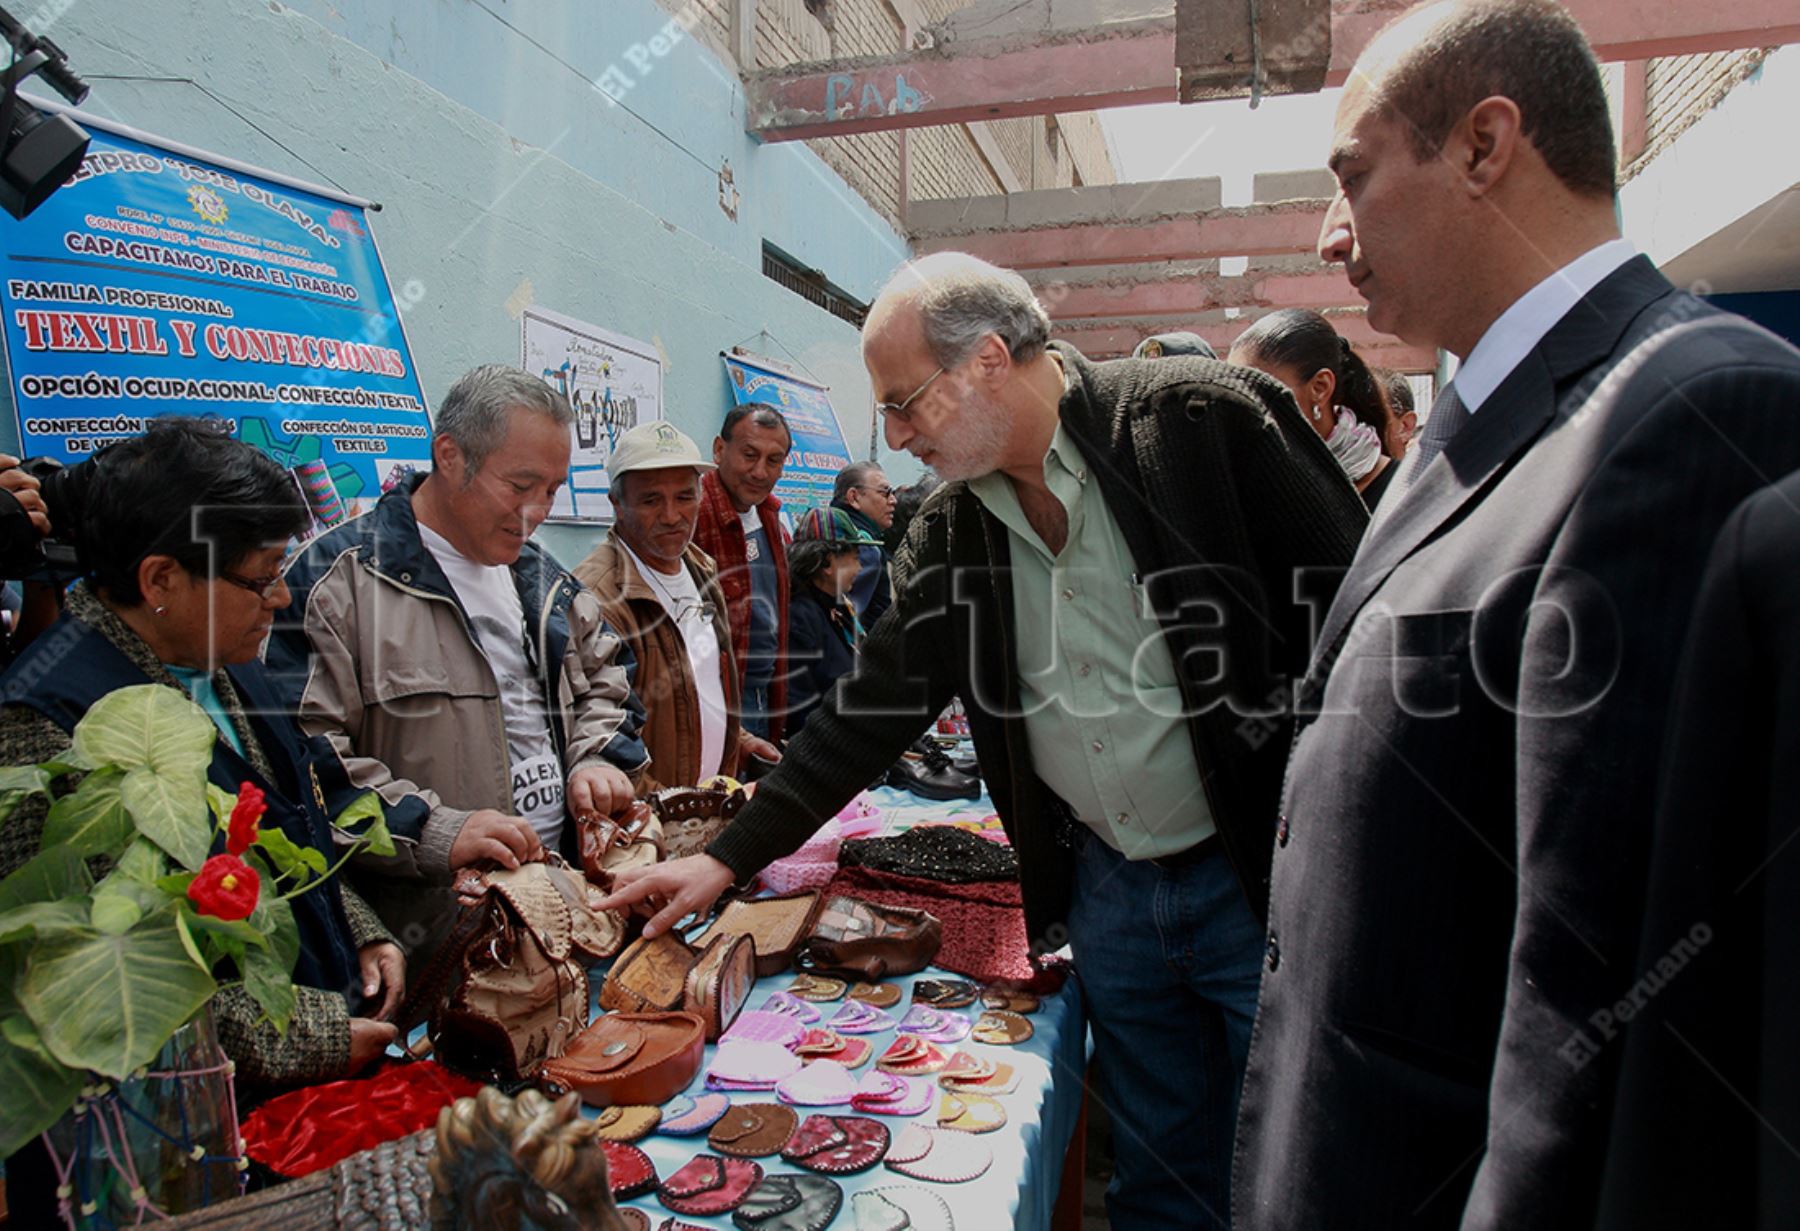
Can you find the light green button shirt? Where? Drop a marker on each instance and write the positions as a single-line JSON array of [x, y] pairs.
[[1102, 708]]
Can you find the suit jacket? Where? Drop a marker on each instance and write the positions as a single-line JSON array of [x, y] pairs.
[[1460, 858], [1708, 1103]]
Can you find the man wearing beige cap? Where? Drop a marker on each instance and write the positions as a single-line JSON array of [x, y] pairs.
[[660, 593]]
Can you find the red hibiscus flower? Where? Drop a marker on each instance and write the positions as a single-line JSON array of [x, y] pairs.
[[225, 888], [240, 830]]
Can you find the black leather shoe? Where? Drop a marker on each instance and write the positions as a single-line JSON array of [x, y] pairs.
[[931, 776]]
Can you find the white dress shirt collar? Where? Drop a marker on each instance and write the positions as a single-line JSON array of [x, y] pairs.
[[1521, 327]]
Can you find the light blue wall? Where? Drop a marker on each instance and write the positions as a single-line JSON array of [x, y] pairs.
[[505, 174]]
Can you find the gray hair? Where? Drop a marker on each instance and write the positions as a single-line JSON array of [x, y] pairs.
[[476, 410], [962, 299], [856, 474]]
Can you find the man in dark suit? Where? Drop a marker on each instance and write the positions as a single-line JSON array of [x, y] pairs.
[[1707, 1113], [1459, 872]]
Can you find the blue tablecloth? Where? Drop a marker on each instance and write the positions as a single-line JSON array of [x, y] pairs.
[[1019, 1190]]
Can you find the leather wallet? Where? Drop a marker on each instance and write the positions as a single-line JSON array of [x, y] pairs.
[[881, 995], [837, 1145], [1003, 998], [775, 925], [629, 1171], [629, 1058], [693, 816], [820, 989], [869, 941], [627, 1123], [664, 974], [690, 1115], [904, 1207], [753, 1130], [938, 1155], [945, 993], [790, 1203], [1001, 1026], [708, 1185]]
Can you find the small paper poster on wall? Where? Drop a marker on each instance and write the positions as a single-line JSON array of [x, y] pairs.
[[613, 383]]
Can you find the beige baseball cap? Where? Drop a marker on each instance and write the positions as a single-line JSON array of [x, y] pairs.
[[655, 445]]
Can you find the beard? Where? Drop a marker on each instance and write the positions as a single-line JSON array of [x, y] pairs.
[[974, 442]]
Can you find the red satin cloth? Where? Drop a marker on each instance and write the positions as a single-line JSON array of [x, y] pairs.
[[307, 1130], [984, 925]]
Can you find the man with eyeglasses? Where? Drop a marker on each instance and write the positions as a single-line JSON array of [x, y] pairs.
[[863, 491], [458, 670], [1107, 579], [661, 592]]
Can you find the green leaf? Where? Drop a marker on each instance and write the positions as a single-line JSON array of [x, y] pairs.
[[41, 918], [240, 931], [115, 913], [275, 920], [163, 742], [366, 811], [38, 1087], [24, 780], [143, 863], [221, 802], [92, 819], [182, 915], [108, 1003], [270, 985], [48, 876], [176, 885], [289, 858]]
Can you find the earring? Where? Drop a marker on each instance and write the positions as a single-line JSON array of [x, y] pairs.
[[1317, 413], [162, 611]]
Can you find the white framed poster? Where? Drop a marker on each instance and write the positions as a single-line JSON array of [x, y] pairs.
[[613, 383]]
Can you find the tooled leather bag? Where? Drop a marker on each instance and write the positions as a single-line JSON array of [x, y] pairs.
[[866, 940], [629, 1060], [693, 816], [508, 989], [600, 835], [775, 925], [665, 973]]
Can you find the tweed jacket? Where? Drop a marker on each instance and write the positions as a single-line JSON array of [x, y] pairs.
[[1231, 506], [317, 1044]]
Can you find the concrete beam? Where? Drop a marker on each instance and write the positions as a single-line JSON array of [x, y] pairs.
[[1217, 53], [1057, 207], [1286, 228], [1326, 287], [1104, 340], [1052, 63]]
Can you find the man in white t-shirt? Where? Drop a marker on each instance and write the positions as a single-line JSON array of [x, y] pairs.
[[660, 593], [456, 667]]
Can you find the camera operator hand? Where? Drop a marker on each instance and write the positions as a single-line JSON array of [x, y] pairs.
[[24, 490]]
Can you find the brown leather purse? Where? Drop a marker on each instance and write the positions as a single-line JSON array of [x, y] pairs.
[[629, 1059], [665, 974], [600, 836], [866, 940], [508, 988], [693, 816], [775, 925]]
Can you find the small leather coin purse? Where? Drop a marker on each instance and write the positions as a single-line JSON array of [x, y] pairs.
[[708, 1185], [1001, 1026], [904, 1207], [753, 1130], [788, 1202], [938, 1155], [881, 995], [970, 1113], [627, 1123], [629, 1170], [945, 993], [837, 1145], [689, 1115]]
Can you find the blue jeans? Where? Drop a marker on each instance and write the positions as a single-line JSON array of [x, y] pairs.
[[754, 707], [1170, 962]]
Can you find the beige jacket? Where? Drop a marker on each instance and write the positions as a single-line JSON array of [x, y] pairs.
[[379, 655]]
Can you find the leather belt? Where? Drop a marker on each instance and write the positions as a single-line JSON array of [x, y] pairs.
[[1205, 848]]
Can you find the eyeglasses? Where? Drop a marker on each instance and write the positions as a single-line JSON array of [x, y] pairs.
[[897, 410], [885, 491], [262, 587]]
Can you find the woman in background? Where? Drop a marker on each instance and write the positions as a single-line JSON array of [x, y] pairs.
[[823, 631], [1338, 394]]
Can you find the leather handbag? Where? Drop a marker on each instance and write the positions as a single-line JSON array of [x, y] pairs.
[[665, 973], [869, 941], [508, 988], [600, 836], [693, 816], [776, 926], [629, 1059]]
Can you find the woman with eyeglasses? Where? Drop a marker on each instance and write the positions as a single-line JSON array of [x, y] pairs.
[[181, 539]]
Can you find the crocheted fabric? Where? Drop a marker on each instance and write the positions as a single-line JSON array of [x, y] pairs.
[[934, 852]]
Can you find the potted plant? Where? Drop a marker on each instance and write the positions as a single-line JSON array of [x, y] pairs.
[[152, 890]]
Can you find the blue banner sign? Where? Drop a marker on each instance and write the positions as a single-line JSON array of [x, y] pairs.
[[157, 282]]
